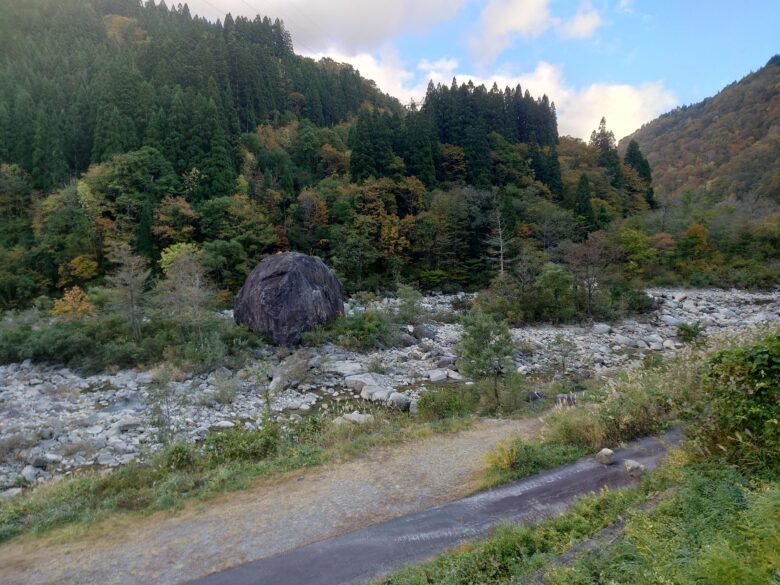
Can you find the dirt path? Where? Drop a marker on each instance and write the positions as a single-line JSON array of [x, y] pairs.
[[356, 557], [275, 515]]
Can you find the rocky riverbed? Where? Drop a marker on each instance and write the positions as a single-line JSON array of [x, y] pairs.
[[53, 421]]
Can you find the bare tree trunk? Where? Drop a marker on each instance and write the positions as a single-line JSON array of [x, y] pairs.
[[500, 231]]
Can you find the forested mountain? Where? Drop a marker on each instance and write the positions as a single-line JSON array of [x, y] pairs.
[[725, 146], [130, 126], [83, 80]]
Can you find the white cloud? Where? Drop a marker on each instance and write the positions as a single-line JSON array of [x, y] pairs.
[[345, 25], [626, 107], [625, 5], [385, 68], [501, 21], [582, 25]]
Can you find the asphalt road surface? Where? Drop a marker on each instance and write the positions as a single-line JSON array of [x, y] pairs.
[[358, 556]]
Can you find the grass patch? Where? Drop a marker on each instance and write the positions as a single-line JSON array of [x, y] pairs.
[[719, 511], [447, 401], [227, 461], [515, 550], [714, 529], [516, 459], [711, 525]]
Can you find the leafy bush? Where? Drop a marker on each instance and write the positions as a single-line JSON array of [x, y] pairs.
[[637, 411], [93, 344], [461, 303], [180, 457], [504, 299], [74, 303], [361, 331], [689, 333], [740, 412], [445, 402], [555, 297], [409, 305], [577, 426], [366, 330], [241, 445]]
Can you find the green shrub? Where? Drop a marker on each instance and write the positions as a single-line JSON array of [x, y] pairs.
[[307, 430], [639, 410], [409, 310], [576, 426], [180, 457], [445, 402], [237, 444], [625, 298], [365, 330], [317, 336], [740, 411], [360, 331], [461, 304], [504, 299], [690, 333], [93, 344]]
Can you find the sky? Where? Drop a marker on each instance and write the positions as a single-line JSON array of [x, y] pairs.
[[627, 60]]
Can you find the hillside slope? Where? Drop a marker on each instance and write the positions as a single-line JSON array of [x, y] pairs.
[[84, 80], [724, 146]]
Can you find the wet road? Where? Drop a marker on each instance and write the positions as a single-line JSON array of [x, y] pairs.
[[358, 556]]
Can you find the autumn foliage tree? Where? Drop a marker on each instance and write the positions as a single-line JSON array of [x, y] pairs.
[[127, 285], [587, 261]]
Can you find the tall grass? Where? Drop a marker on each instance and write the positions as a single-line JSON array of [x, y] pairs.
[[713, 528], [634, 404], [717, 516]]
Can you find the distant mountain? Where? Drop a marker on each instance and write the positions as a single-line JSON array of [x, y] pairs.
[[725, 146]]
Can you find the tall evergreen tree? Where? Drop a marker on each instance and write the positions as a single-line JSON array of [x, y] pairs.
[[554, 178], [637, 161], [583, 206], [215, 162], [604, 141], [362, 164], [48, 165], [23, 129], [111, 134], [478, 163], [419, 152], [5, 132]]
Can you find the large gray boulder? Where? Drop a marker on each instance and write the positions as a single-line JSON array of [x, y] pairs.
[[288, 294]]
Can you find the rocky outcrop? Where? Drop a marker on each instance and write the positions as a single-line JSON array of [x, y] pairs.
[[288, 294]]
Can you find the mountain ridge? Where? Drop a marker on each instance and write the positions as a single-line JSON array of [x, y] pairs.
[[724, 146]]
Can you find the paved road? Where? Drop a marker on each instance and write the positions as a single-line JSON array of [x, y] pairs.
[[358, 556]]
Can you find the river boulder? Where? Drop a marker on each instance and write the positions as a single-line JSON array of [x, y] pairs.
[[288, 294]]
